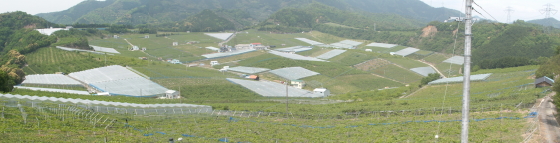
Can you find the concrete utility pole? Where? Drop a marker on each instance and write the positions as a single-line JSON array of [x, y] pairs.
[[509, 10], [467, 74]]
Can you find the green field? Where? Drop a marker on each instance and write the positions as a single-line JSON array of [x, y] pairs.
[[385, 50], [396, 73], [406, 62], [50, 60]]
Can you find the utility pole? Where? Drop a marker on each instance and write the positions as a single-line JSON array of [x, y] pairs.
[[509, 10], [287, 98], [467, 74]]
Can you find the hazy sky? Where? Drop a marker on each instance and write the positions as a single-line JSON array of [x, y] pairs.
[[523, 9]]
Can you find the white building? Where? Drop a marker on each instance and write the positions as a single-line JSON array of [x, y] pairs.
[[135, 48], [146, 36], [172, 94], [175, 43], [212, 63], [323, 91], [369, 50]]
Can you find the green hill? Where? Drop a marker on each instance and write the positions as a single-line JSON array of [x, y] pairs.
[[546, 22], [156, 12]]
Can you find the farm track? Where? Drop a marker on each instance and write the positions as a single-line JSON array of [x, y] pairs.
[[550, 128], [434, 67]]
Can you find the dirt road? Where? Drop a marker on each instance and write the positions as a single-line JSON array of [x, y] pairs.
[[549, 126]]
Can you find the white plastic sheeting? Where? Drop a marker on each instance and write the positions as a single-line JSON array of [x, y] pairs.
[[221, 36], [96, 102], [331, 54], [295, 56], [459, 60], [424, 71], [104, 49], [273, 89], [213, 48], [51, 79], [346, 44], [54, 90], [478, 77], [310, 41], [293, 73], [131, 87], [406, 51], [295, 49], [108, 73], [249, 70], [227, 54], [382, 45]]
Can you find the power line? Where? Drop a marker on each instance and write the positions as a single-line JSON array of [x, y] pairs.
[[509, 10], [485, 11], [548, 11]]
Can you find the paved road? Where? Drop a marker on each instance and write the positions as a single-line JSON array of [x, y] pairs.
[[551, 129]]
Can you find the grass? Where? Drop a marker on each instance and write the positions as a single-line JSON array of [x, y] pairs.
[[406, 62], [266, 38], [385, 50], [393, 72], [350, 58], [317, 51], [339, 25], [436, 58], [450, 70], [50, 60]]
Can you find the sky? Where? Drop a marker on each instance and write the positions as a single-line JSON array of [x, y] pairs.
[[522, 9]]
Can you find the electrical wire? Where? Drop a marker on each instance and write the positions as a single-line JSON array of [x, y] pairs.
[[484, 11], [447, 83]]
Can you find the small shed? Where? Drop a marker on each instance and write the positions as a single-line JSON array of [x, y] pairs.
[[298, 83], [135, 48], [172, 94], [175, 43], [323, 91], [144, 49], [369, 50], [146, 36], [116, 36], [543, 82], [243, 46], [175, 61], [212, 63]]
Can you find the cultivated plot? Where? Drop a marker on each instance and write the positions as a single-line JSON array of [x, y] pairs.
[[424, 71], [311, 42], [459, 60], [478, 77], [407, 51], [50, 79], [382, 45], [221, 36], [227, 54], [295, 49], [295, 56], [273, 89], [293, 73], [331, 54], [249, 70]]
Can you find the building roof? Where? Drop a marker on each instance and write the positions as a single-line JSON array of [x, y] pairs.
[[544, 79], [320, 89], [256, 43]]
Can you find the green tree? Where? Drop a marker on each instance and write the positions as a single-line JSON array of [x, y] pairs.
[[6, 83]]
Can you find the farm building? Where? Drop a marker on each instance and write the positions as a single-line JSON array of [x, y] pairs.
[[323, 91], [146, 36], [543, 82], [298, 83], [172, 94], [135, 48], [175, 61], [243, 46], [175, 43], [212, 63], [116, 36]]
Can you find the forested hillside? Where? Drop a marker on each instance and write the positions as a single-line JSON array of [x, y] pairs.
[[206, 20], [165, 11], [19, 37], [546, 22]]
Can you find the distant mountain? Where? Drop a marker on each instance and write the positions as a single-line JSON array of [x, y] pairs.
[[163, 11], [546, 22]]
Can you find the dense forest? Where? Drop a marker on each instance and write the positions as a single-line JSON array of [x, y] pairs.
[[169, 11], [19, 37]]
